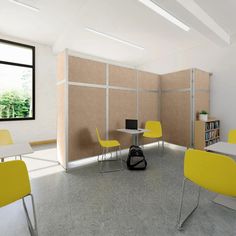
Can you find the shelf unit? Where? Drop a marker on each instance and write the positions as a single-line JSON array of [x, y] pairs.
[[206, 133]]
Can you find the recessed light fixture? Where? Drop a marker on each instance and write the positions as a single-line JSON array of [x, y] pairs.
[[25, 5], [114, 38], [152, 5]]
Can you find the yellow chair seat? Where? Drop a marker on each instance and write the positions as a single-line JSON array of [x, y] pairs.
[[151, 135], [109, 143]]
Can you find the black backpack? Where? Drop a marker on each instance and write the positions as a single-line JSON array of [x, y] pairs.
[[136, 159]]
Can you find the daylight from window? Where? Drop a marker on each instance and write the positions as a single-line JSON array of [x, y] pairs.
[[16, 82]]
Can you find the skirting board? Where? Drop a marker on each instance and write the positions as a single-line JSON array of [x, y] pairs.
[[43, 142]]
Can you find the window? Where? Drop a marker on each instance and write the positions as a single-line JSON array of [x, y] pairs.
[[17, 81]]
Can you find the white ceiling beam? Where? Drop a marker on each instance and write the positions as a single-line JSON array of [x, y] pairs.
[[205, 19]]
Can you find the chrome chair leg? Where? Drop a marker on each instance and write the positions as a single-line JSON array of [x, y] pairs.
[[33, 229], [163, 146], [179, 222], [104, 152], [101, 165], [121, 161], [99, 155]]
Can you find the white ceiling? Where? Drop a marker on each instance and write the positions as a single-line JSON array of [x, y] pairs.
[[62, 23]]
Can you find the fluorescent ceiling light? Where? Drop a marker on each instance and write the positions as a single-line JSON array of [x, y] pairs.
[[114, 38], [152, 5], [24, 5]]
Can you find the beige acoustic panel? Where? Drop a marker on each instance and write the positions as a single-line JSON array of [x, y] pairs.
[[202, 79], [122, 77], [122, 105], [176, 80], [86, 71], [61, 129], [175, 116], [148, 80], [86, 112], [61, 66], [149, 103], [202, 102]]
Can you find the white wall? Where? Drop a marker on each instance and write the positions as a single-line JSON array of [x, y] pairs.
[[222, 63], [44, 126]]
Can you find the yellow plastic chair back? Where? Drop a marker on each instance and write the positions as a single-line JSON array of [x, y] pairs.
[[107, 143], [232, 136], [5, 137], [155, 129], [211, 171], [14, 182]]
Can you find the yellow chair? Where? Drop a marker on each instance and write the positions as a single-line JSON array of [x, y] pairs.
[[214, 172], [155, 131], [105, 145], [232, 136], [15, 185], [6, 139]]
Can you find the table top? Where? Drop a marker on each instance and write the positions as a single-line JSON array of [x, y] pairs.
[[133, 131], [223, 148], [15, 150]]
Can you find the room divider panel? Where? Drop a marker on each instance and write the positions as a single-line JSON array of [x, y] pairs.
[[183, 95], [87, 106], [122, 101], [87, 111], [202, 91], [97, 94], [148, 100]]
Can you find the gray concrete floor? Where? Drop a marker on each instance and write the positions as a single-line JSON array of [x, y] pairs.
[[85, 202]]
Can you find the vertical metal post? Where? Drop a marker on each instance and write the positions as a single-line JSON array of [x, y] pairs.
[[107, 102], [192, 106], [137, 94]]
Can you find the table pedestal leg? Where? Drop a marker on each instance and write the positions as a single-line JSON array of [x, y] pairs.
[[135, 139]]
